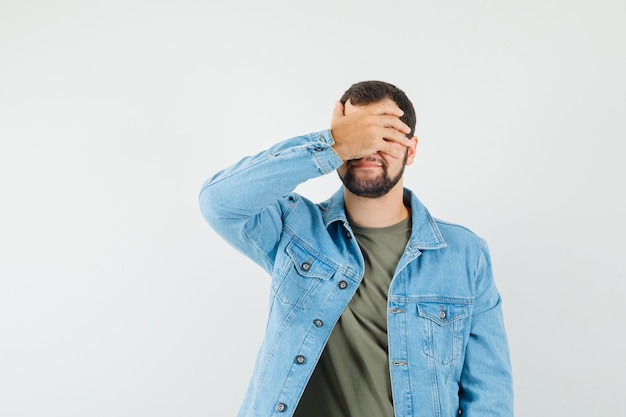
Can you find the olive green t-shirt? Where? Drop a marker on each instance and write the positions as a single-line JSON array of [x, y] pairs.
[[351, 378]]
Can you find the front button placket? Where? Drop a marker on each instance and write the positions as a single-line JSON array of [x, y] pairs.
[[398, 358]]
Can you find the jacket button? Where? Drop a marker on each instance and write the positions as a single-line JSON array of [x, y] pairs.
[[318, 149], [306, 266], [348, 234], [442, 314], [280, 407], [343, 285], [318, 323], [300, 359]]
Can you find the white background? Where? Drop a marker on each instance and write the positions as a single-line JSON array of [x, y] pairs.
[[116, 299]]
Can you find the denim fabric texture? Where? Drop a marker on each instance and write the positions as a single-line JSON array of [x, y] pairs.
[[448, 351]]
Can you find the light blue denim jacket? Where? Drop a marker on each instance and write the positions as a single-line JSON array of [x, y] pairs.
[[447, 344]]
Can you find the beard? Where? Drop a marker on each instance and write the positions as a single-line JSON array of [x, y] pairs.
[[372, 187]]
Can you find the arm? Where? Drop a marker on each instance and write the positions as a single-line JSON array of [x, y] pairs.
[[246, 203], [486, 380]]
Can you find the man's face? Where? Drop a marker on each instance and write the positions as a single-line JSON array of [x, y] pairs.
[[372, 176]]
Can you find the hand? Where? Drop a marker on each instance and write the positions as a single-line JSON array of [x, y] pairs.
[[369, 129]]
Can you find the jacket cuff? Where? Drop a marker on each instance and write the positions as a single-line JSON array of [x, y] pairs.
[[323, 153]]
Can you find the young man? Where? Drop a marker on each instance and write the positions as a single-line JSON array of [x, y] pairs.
[[377, 309]]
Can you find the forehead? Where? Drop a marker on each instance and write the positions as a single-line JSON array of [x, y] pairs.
[[350, 108]]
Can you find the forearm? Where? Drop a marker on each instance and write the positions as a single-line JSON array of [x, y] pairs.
[[257, 181], [251, 190]]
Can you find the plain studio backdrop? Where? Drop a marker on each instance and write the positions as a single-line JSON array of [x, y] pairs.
[[116, 299]]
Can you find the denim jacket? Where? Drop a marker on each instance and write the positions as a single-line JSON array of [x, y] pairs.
[[448, 352]]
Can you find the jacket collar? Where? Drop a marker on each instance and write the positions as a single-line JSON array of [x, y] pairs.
[[424, 235]]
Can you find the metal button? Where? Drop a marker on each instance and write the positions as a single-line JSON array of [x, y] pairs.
[[318, 323], [348, 234], [306, 266], [300, 359], [280, 407], [318, 149], [343, 285], [442, 314]]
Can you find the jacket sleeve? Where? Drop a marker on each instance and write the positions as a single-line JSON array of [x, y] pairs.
[[486, 380], [247, 202]]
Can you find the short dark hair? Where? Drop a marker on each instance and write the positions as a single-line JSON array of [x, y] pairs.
[[368, 92]]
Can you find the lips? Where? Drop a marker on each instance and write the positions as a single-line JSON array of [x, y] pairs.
[[366, 163], [364, 166]]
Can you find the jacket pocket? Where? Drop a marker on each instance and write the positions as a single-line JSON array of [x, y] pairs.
[[301, 277], [442, 325]]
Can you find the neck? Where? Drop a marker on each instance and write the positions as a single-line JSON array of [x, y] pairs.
[[376, 212]]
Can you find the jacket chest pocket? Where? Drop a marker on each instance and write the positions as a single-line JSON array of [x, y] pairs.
[[442, 327], [301, 275]]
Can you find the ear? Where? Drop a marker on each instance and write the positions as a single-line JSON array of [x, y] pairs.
[[412, 146]]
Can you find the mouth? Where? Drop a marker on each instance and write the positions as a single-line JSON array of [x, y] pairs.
[[366, 163], [366, 166]]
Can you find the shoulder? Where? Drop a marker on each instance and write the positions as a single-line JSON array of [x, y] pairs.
[[457, 235]]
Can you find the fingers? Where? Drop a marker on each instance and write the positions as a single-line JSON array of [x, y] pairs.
[[389, 114], [386, 107], [395, 123], [386, 114], [393, 149], [361, 130]]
